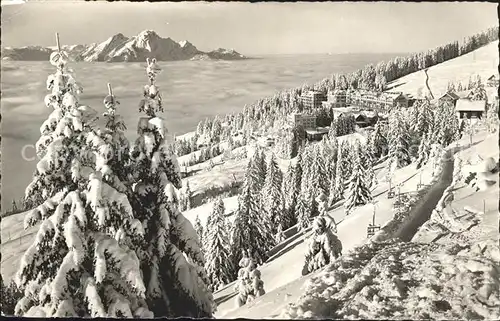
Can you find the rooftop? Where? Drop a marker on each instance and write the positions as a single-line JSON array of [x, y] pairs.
[[471, 105], [451, 94]]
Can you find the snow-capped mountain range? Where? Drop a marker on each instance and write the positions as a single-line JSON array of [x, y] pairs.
[[119, 48]]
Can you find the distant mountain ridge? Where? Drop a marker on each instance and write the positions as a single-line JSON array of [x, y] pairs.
[[119, 48]]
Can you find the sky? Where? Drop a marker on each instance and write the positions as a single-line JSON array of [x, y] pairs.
[[253, 28]]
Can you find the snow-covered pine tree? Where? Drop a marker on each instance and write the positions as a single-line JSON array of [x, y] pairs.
[[83, 261], [273, 201], [260, 162], [324, 246], [290, 191], [341, 175], [63, 99], [250, 232], [424, 150], [425, 121], [304, 211], [188, 196], [377, 143], [358, 191], [367, 163], [398, 140], [218, 264], [172, 261], [10, 294], [492, 119], [199, 229], [322, 183]]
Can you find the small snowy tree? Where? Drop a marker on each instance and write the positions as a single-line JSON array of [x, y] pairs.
[[10, 294], [172, 261], [199, 229], [217, 248], [249, 284], [323, 248], [358, 192]]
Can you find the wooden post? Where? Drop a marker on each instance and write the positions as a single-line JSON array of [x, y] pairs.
[[110, 90], [484, 207], [57, 42]]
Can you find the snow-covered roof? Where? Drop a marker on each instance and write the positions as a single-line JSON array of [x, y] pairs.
[[319, 130], [450, 94], [471, 105], [392, 95], [463, 93]]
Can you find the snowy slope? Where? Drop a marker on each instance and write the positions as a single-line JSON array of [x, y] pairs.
[[454, 276], [284, 287], [483, 62]]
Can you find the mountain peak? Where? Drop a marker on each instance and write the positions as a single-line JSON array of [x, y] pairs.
[[148, 34]]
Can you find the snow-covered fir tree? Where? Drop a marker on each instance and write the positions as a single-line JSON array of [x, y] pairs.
[[199, 229], [446, 124], [358, 191], [492, 119], [341, 175], [187, 196], [251, 229], [172, 260], [377, 142], [273, 201], [218, 264], [10, 294], [323, 248], [399, 142], [304, 211], [83, 261], [62, 122], [290, 190], [249, 284], [424, 150], [367, 162], [260, 167]]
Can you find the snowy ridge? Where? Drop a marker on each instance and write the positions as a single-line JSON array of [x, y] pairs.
[[119, 48]]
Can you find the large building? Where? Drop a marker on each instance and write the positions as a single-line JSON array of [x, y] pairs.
[[306, 121], [376, 100], [336, 99], [312, 99]]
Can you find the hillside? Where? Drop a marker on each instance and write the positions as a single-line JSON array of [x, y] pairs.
[[422, 263], [483, 62], [119, 48]]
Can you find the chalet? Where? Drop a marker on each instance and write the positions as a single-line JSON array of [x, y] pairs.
[[493, 81], [467, 109], [366, 119], [317, 133], [449, 97]]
